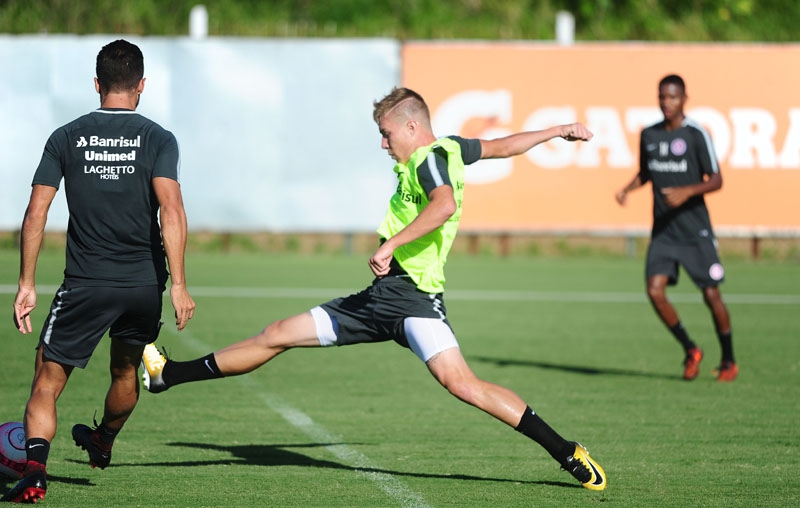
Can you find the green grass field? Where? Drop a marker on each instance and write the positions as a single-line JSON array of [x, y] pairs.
[[367, 426]]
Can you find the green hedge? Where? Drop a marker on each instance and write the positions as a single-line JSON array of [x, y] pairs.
[[596, 20]]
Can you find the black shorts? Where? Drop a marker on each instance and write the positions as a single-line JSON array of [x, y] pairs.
[[378, 313], [700, 260], [80, 316]]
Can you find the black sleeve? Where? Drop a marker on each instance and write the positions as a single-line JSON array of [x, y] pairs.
[[470, 149], [433, 171], [706, 158], [50, 169], [644, 173]]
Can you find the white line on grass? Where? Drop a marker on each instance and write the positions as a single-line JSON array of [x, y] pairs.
[[392, 486], [472, 295]]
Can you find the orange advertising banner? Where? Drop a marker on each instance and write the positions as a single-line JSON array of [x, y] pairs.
[[747, 96]]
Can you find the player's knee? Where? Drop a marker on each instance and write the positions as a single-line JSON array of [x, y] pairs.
[[711, 295], [656, 292], [271, 337], [461, 391], [126, 373], [461, 388], [46, 391]]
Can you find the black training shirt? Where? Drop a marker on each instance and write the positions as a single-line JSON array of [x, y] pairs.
[[108, 159], [675, 159]]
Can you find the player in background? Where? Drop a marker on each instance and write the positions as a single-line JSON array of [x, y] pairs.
[[405, 301], [676, 155], [119, 169]]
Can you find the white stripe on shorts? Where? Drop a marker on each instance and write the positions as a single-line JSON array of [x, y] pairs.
[[53, 314]]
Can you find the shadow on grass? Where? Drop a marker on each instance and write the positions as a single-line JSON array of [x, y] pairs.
[[9, 482], [283, 455], [577, 369]]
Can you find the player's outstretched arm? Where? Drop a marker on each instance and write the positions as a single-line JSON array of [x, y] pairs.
[[521, 142]]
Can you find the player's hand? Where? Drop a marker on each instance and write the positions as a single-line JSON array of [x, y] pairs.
[[24, 303], [675, 196], [182, 303], [621, 196], [380, 261], [576, 132]]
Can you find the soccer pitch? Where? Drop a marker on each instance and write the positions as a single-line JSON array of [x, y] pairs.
[[367, 426]]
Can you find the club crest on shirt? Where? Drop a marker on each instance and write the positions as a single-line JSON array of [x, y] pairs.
[[716, 272], [678, 146]]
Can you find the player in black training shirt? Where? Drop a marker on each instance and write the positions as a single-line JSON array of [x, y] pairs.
[[676, 155], [119, 169]]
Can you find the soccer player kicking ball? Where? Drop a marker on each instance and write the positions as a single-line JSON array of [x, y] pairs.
[[405, 301]]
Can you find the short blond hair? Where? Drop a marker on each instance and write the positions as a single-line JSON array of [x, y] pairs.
[[402, 101]]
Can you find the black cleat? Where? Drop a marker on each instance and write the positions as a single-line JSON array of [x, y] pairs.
[[31, 488], [89, 440]]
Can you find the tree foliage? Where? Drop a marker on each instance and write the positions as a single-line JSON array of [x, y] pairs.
[[595, 20]]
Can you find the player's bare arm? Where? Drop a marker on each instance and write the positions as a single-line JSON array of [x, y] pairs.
[[622, 194], [30, 243], [441, 207], [174, 231], [521, 142], [676, 196]]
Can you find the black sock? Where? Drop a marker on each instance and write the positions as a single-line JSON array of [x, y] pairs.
[[680, 333], [107, 434], [37, 449], [535, 428], [726, 342], [200, 369]]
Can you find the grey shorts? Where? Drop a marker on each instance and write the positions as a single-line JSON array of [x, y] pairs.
[[700, 260], [80, 316], [390, 309]]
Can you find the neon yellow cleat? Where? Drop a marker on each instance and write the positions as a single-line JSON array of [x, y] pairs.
[[585, 469], [153, 363]]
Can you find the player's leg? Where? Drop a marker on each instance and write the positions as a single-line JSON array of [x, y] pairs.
[[657, 294], [121, 399], [239, 358], [347, 319], [123, 393], [249, 354], [40, 422], [72, 330], [719, 312], [661, 270], [433, 342], [135, 320], [727, 370], [49, 380], [60, 349], [704, 267], [453, 373]]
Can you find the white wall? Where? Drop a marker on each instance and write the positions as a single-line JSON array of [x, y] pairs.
[[274, 134]]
